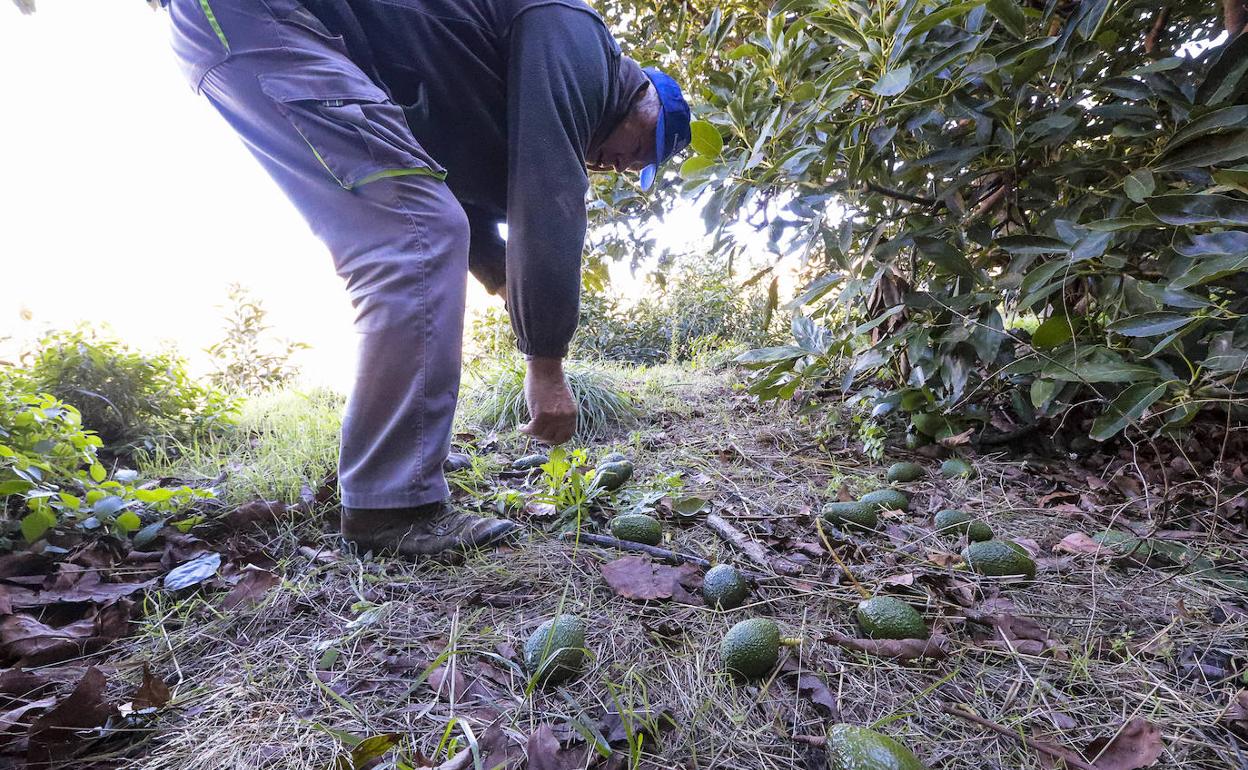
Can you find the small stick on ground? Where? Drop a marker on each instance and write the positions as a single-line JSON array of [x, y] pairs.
[[827, 544], [628, 545], [752, 550], [1072, 759], [653, 550]]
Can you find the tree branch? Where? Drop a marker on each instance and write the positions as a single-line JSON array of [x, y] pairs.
[[1154, 34], [1234, 16], [901, 196]]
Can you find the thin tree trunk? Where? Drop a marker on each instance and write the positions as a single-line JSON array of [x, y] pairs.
[[1234, 16]]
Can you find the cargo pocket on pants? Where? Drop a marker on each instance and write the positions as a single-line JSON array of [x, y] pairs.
[[351, 128]]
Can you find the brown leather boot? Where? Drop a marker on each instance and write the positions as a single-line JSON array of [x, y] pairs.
[[421, 531]]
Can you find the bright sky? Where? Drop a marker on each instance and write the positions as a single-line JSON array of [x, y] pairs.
[[128, 200]]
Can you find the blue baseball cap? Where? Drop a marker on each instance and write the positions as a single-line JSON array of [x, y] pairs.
[[671, 133]]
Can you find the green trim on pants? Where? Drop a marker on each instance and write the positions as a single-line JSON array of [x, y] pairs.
[[216, 26]]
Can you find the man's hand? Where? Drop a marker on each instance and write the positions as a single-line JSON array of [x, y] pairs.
[[550, 402]]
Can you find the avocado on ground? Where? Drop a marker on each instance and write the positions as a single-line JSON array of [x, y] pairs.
[[556, 650], [724, 587], [611, 476], [955, 468], [851, 747], [529, 462], [999, 558], [885, 617], [953, 524], [637, 528], [853, 514], [888, 499], [751, 648], [904, 472]]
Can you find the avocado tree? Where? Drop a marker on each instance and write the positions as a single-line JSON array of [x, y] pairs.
[[1015, 206]]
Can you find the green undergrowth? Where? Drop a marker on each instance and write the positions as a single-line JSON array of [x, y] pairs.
[[283, 440], [496, 397]]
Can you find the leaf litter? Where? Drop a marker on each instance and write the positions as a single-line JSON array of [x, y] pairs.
[[1011, 648]]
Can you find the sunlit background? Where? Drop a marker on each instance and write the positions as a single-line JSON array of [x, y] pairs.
[[128, 201]]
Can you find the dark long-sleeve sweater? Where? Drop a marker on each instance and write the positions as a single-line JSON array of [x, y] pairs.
[[509, 96]]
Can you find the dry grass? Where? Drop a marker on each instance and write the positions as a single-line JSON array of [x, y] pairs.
[[345, 644]]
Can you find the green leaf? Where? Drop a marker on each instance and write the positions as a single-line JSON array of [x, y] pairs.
[[763, 356], [893, 82], [35, 523], [1010, 15], [370, 748], [185, 525], [1208, 270], [107, 506], [695, 164], [1126, 409], [1224, 119], [14, 486], [129, 521], [939, 17], [1161, 65], [1093, 365], [1228, 243], [1199, 209], [705, 139], [804, 92], [743, 50], [1210, 151], [147, 534], [1150, 324], [1226, 78], [1236, 178], [1139, 185], [98, 473], [1042, 392], [1053, 332]]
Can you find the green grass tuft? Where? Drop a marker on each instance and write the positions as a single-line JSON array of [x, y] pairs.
[[282, 441], [496, 399]]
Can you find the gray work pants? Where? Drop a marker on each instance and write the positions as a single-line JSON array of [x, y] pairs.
[[344, 155]]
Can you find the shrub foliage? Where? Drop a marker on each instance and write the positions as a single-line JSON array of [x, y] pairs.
[[126, 397], [1030, 205]]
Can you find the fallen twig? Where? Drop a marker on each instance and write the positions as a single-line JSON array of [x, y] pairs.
[[752, 550], [828, 545], [893, 649], [1071, 758], [628, 545]]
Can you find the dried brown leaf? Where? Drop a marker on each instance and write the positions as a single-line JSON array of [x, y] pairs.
[[87, 588], [152, 692], [957, 440], [1078, 542], [448, 683], [636, 577], [894, 649], [250, 588], [812, 687], [15, 717], [1021, 635], [1138, 744], [545, 754], [52, 736], [257, 513], [1236, 712], [499, 750]]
